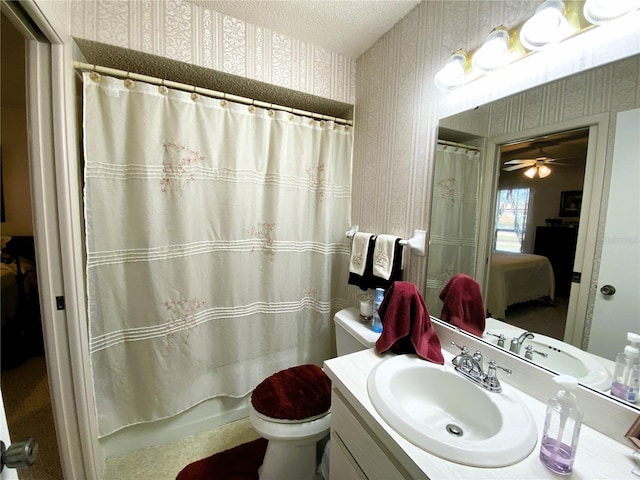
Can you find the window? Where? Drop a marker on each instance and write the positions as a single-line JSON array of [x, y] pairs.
[[511, 219]]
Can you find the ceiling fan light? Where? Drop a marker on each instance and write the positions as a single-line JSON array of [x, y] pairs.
[[531, 172], [544, 171], [598, 12]]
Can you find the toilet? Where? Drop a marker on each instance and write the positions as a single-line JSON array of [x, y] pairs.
[[294, 425], [352, 334]]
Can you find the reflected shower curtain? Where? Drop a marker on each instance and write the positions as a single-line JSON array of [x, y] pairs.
[[216, 248], [454, 212]]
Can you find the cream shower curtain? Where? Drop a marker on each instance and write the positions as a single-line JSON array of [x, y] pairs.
[[216, 249], [454, 212]]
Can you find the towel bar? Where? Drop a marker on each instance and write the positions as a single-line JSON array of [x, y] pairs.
[[416, 243]]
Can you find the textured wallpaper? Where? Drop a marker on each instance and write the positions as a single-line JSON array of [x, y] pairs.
[[397, 109], [181, 30], [397, 112]]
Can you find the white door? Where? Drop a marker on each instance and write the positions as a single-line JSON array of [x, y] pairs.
[[618, 312], [7, 473]]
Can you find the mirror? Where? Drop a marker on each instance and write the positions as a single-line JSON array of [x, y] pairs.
[[571, 121]]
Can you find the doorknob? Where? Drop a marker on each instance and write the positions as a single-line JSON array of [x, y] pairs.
[[19, 454], [608, 290]]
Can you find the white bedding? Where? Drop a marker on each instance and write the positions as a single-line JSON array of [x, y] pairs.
[[516, 278]]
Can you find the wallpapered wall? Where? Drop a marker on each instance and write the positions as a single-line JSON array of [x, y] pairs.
[[396, 101], [397, 112], [183, 31]]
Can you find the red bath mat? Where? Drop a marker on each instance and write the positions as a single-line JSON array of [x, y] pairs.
[[238, 463]]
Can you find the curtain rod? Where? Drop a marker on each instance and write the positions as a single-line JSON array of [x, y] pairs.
[[204, 91], [454, 144]]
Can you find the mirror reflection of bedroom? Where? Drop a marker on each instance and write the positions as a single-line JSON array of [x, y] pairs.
[[537, 213]]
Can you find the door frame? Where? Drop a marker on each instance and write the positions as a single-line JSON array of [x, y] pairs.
[[54, 165], [594, 184]]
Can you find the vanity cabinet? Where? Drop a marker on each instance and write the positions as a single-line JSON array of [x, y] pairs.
[[355, 452], [364, 446]]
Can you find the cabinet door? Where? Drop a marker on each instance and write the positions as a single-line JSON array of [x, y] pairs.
[[360, 446], [341, 464]]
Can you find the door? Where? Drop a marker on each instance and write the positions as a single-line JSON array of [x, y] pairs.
[[7, 473], [617, 288]]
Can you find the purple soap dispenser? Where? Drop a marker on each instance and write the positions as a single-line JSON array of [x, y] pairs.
[[561, 428]]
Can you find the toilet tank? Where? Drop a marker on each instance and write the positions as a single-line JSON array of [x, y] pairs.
[[353, 335]]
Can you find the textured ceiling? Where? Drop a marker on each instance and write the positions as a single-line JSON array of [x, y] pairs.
[[349, 27], [569, 149]]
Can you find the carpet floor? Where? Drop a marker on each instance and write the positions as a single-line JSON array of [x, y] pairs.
[[164, 462], [27, 401], [540, 316]]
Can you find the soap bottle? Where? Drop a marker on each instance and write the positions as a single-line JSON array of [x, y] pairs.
[[561, 428], [626, 376], [376, 322]]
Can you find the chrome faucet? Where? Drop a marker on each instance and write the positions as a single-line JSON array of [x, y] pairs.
[[516, 342], [470, 366], [529, 351], [501, 338]]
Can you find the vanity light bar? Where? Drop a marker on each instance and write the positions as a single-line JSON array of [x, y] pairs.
[[552, 23]]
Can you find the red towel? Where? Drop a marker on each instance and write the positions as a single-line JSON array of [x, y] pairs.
[[406, 326], [462, 304]]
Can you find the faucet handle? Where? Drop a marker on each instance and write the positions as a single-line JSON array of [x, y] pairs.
[[464, 350], [493, 365], [530, 351], [491, 380], [477, 356], [501, 338]]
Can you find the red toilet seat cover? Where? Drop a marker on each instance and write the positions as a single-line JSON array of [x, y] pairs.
[[293, 394]]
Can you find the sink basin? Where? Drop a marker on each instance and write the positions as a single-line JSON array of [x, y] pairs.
[[438, 410], [561, 358]]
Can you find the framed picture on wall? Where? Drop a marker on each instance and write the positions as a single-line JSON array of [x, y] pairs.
[[570, 203]]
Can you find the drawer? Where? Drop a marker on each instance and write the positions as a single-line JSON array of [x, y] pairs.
[[360, 445]]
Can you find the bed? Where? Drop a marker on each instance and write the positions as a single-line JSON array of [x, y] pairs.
[[516, 278], [18, 275], [21, 336]]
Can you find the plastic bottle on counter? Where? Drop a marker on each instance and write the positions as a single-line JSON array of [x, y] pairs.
[[561, 428], [376, 322], [626, 376]]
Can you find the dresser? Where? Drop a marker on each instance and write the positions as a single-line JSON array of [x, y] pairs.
[[558, 244]]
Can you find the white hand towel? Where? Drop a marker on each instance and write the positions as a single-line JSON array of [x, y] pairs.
[[383, 254], [359, 250]]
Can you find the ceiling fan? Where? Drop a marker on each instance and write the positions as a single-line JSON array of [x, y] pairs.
[[537, 165]]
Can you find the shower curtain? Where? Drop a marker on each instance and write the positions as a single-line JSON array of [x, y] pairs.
[[454, 212], [216, 248]]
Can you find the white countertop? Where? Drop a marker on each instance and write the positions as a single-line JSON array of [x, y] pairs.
[[597, 456]]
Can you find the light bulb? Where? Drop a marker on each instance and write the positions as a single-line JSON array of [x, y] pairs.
[[548, 25], [544, 171], [603, 11], [494, 52], [531, 172], [452, 75]]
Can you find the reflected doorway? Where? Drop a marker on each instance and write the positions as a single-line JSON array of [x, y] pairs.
[[536, 222]]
